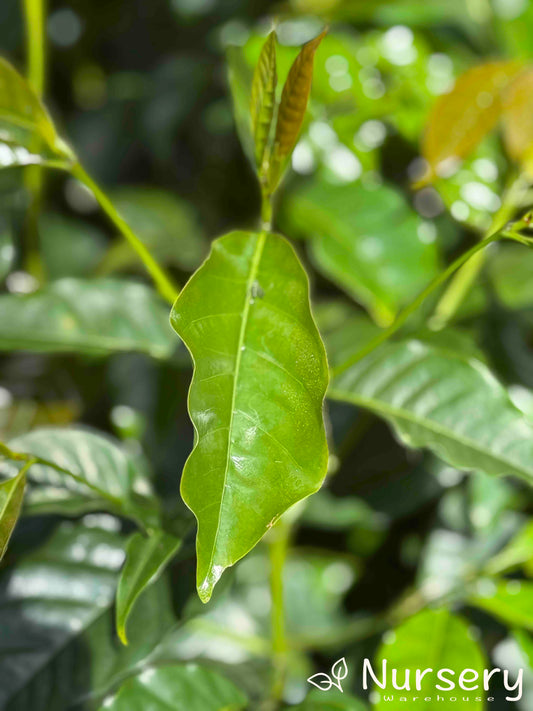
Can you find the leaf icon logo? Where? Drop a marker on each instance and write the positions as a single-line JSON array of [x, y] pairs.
[[324, 682]]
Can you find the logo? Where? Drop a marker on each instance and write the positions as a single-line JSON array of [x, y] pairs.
[[324, 682]]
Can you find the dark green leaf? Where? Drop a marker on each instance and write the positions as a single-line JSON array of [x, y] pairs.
[[146, 558], [177, 687], [96, 317], [445, 401], [436, 639], [11, 496], [256, 395], [367, 241], [69, 247]]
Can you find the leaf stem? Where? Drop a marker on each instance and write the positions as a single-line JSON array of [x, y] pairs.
[[404, 315], [162, 280], [465, 277], [278, 547]]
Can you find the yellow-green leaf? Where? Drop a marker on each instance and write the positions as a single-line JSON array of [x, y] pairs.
[[264, 96], [518, 119], [11, 495], [460, 119], [293, 107]]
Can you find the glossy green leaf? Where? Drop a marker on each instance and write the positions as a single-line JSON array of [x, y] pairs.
[[263, 97], [146, 558], [435, 639], [11, 496], [510, 601], [27, 134], [368, 241], [58, 649], [256, 395], [164, 223], [439, 399], [96, 317], [178, 687], [107, 477], [331, 700]]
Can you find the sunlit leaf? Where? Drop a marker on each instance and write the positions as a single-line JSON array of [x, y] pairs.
[[27, 134], [292, 108], [510, 601], [369, 242], [146, 558], [433, 638], [180, 688], [108, 478], [461, 118], [518, 552], [96, 317], [11, 496], [256, 395], [264, 97], [517, 123], [445, 401], [58, 649]]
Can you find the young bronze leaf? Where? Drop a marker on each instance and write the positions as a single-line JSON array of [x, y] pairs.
[[292, 108], [256, 395], [11, 495], [518, 119], [460, 119], [264, 97]]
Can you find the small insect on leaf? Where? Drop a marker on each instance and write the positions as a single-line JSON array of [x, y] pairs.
[[264, 97], [293, 107]]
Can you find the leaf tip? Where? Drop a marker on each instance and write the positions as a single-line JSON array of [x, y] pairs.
[[207, 584]]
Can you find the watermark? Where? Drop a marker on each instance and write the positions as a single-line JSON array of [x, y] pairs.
[[427, 682]]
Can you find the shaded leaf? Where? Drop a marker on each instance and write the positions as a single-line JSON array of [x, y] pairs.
[[263, 97], [11, 496], [369, 242], [180, 688], [146, 558], [292, 108], [510, 601], [461, 118], [95, 317], [27, 134], [256, 395], [517, 123], [69, 247], [108, 478], [433, 638], [240, 83], [442, 400], [58, 648], [165, 224]]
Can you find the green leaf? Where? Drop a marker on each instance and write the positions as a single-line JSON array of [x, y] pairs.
[[146, 558], [331, 700], [510, 601], [256, 395], [69, 247], [369, 242], [263, 97], [106, 477], [445, 401], [240, 84], [164, 223], [27, 134], [178, 687], [58, 648], [11, 496], [517, 131], [96, 317], [432, 639]]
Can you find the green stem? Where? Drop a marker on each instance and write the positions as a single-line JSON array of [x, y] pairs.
[[162, 280], [461, 284], [35, 11], [278, 547], [409, 310]]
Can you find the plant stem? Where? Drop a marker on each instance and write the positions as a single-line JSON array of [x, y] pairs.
[[461, 284], [162, 280], [35, 11], [404, 315], [279, 544]]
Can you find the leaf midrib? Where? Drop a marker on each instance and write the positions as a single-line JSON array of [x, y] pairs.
[[254, 268]]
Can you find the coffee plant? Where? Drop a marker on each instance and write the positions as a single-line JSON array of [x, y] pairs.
[[289, 466]]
